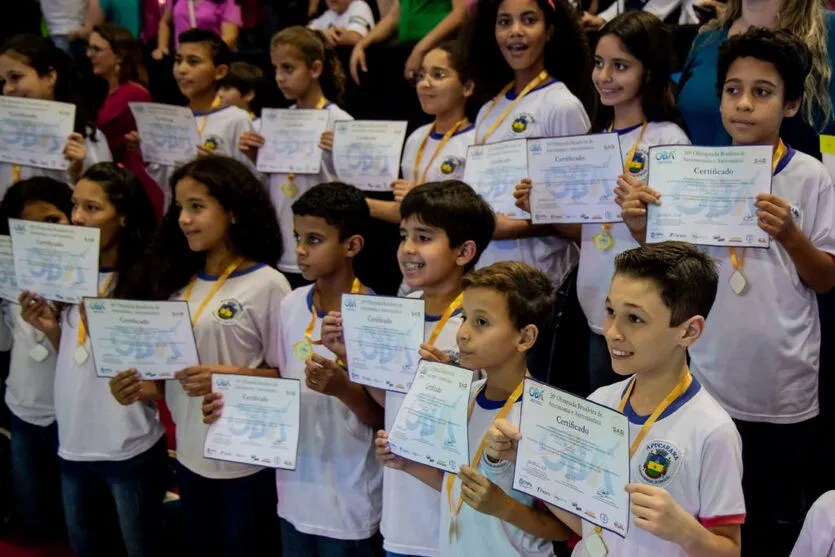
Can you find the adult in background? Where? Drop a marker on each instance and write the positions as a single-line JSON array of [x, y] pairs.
[[115, 57], [698, 99], [222, 17]]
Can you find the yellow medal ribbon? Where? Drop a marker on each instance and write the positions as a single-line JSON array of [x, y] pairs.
[[451, 308], [536, 82], [304, 348], [205, 120], [15, 173], [290, 189], [447, 136], [231, 268], [82, 329]]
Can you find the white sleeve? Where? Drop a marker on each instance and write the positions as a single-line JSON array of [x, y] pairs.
[[320, 23], [360, 18], [661, 8], [818, 220], [676, 136], [610, 13], [818, 534], [720, 483], [276, 354], [569, 118], [271, 339], [239, 126], [97, 151]]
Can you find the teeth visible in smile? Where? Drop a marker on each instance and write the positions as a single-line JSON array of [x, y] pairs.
[[620, 353], [517, 47], [413, 266]]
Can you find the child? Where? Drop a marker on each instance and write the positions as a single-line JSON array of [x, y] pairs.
[[504, 307], [655, 310], [32, 67], [817, 538], [201, 63], [214, 250], [30, 389], [522, 60], [345, 22], [309, 73], [632, 65], [109, 455], [240, 86], [437, 151], [445, 228], [760, 355]]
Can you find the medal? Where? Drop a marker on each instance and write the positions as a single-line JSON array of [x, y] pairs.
[[81, 355], [603, 240], [738, 282], [289, 188], [39, 353], [303, 350], [595, 546]]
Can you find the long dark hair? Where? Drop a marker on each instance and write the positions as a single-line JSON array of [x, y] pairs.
[[126, 47], [567, 55], [128, 196], [37, 188], [43, 56], [312, 47], [254, 233], [645, 37]]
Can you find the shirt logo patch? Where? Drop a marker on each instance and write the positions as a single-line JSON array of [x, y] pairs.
[[661, 463], [212, 142], [639, 163], [228, 310], [522, 123], [450, 164]]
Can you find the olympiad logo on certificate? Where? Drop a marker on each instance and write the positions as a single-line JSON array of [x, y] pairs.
[[660, 463]]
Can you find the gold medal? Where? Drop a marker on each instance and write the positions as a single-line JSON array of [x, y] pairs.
[[289, 188], [303, 350], [603, 240]]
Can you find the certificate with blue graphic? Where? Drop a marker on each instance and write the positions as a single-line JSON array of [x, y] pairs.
[[366, 153], [291, 140], [56, 261], [494, 170], [8, 282], [382, 339], [431, 425], [259, 423], [168, 134], [708, 194], [34, 132], [154, 338], [574, 178], [574, 454]]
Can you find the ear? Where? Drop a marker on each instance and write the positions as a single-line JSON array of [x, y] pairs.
[[791, 109], [52, 77], [527, 338], [232, 219], [122, 221], [316, 69], [354, 245], [691, 330], [466, 253], [249, 97], [221, 71], [469, 88]]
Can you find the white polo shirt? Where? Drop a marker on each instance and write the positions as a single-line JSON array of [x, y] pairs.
[[817, 538], [358, 18], [448, 163]]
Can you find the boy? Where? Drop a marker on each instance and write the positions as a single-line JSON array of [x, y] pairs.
[[692, 504], [345, 22], [504, 307], [240, 85], [445, 228], [760, 354]]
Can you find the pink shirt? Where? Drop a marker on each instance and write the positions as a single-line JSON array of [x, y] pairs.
[[209, 15]]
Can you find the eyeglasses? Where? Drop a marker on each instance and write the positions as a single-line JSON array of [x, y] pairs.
[[435, 76]]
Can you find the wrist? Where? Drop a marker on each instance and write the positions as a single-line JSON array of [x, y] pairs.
[[506, 510], [691, 535], [792, 239]]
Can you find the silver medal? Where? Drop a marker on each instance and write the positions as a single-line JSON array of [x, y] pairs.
[[738, 282]]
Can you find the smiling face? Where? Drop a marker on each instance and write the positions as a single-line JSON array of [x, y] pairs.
[[752, 104], [194, 70], [425, 257], [487, 337], [521, 33], [292, 74], [21, 80], [617, 75], [92, 208], [439, 86], [203, 219], [101, 56]]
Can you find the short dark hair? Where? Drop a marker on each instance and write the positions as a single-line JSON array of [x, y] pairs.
[[789, 55], [686, 277], [455, 208], [244, 77], [220, 53], [342, 206], [529, 293], [37, 188]]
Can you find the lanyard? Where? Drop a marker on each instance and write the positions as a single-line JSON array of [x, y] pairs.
[[15, 173], [451, 308], [738, 259], [319, 106], [231, 268], [82, 329], [536, 82], [202, 127], [447, 136], [455, 508], [308, 333]]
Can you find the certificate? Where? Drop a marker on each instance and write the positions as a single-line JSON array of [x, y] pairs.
[[168, 133], [494, 170], [56, 261], [8, 282], [708, 194], [382, 339], [366, 153], [291, 140], [574, 454], [259, 423], [155, 338], [574, 178], [34, 132], [431, 425]]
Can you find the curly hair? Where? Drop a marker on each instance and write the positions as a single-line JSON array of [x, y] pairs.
[[254, 234], [312, 47]]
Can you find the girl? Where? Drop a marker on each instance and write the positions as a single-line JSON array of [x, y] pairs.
[[215, 250], [632, 67], [309, 73], [29, 390], [109, 455], [34, 68], [534, 58], [436, 151]]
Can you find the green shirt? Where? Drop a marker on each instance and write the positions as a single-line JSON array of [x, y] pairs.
[[419, 17]]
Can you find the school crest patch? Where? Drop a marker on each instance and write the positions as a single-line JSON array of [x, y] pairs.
[[450, 165], [638, 166], [212, 142], [228, 310], [660, 462], [522, 123]]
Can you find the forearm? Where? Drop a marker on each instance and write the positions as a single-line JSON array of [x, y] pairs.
[[54, 338], [378, 395], [251, 371], [573, 522], [432, 477], [388, 211], [536, 522], [700, 542], [152, 391], [362, 405], [349, 38], [815, 267], [384, 29], [229, 34], [447, 26], [94, 15], [164, 33], [509, 229]]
